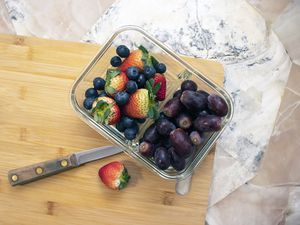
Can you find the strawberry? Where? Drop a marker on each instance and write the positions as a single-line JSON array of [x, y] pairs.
[[141, 103], [161, 93], [137, 58], [115, 81], [106, 111], [114, 175]]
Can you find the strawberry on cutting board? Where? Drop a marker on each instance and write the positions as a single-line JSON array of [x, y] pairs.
[[114, 175], [106, 111], [141, 104], [161, 93], [138, 58], [116, 81]]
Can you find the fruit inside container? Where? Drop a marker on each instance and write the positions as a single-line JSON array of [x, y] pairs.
[[129, 133]]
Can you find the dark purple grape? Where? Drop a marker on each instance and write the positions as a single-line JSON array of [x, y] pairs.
[[177, 93], [158, 144], [193, 101], [177, 162], [151, 134], [189, 85], [164, 127], [203, 113], [195, 137], [162, 158], [217, 105], [181, 142], [203, 93], [146, 149], [207, 123], [184, 120], [166, 142], [173, 107]]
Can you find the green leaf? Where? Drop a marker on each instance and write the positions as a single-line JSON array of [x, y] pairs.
[[96, 118], [143, 49], [110, 90], [156, 88], [148, 86], [106, 114], [154, 61], [93, 110], [151, 82], [112, 72], [151, 113], [101, 104], [156, 114]]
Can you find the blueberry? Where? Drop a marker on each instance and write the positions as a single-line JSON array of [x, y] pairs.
[[123, 51], [88, 103], [102, 94], [116, 61], [161, 68], [131, 86], [121, 98], [130, 133], [140, 120], [149, 72], [91, 93], [141, 81], [128, 122], [135, 127], [99, 83], [120, 126], [132, 73]]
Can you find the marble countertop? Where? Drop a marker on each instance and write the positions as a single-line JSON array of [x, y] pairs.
[[251, 173]]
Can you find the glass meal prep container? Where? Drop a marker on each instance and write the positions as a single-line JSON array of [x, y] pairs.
[[177, 71]]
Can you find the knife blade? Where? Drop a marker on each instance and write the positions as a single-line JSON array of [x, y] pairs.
[[48, 168]]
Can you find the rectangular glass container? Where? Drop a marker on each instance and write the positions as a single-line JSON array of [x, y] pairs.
[[177, 71]]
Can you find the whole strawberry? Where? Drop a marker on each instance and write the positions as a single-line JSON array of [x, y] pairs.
[[116, 81], [106, 111], [137, 58], [161, 93], [114, 175], [141, 103]]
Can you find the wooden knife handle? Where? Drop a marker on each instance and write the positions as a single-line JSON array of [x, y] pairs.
[[41, 170]]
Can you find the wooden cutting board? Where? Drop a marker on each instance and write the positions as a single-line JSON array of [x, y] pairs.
[[37, 124]]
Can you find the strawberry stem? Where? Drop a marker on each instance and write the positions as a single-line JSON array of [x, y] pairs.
[[124, 179]]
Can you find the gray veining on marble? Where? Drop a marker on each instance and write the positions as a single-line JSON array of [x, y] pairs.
[[5, 22]]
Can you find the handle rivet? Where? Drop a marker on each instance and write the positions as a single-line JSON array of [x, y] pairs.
[[39, 170], [14, 178], [64, 163]]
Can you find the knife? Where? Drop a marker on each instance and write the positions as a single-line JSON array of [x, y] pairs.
[[41, 170]]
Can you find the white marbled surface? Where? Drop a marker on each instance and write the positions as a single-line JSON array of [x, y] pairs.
[[55, 19], [256, 72]]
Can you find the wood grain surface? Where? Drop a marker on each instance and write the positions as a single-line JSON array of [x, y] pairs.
[[38, 124]]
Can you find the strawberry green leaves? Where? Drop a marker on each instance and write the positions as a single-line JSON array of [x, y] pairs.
[[112, 73], [156, 88], [152, 89], [146, 58], [101, 112], [154, 61], [115, 81], [143, 49]]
